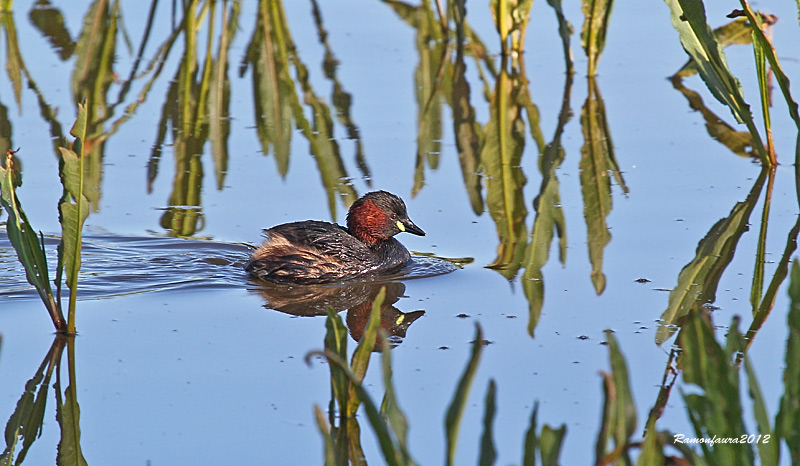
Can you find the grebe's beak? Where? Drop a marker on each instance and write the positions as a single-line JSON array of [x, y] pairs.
[[409, 227]]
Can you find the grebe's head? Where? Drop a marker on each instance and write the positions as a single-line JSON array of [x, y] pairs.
[[377, 216]]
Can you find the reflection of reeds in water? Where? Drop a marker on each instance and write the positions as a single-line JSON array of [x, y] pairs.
[[597, 166], [271, 56], [27, 421]]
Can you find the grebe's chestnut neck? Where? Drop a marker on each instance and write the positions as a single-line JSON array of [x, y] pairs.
[[377, 216]]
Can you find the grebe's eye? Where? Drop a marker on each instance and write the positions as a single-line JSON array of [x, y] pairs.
[[393, 217]]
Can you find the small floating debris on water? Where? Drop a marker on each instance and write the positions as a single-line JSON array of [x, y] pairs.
[[462, 316], [483, 342], [642, 280], [583, 337]]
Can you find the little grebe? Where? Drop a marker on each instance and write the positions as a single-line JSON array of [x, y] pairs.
[[322, 252]]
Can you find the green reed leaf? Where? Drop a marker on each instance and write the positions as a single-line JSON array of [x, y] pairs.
[[652, 449], [363, 352], [467, 133], [68, 414], [219, 96], [386, 440], [619, 410], [322, 425], [391, 408], [501, 153], [488, 453], [549, 217], [274, 94], [531, 441], [597, 14], [336, 343], [737, 32], [74, 209], [766, 49], [565, 30], [14, 64], [28, 245], [457, 405], [596, 165], [550, 443], [717, 410], [787, 422], [768, 452], [698, 280], [689, 19]]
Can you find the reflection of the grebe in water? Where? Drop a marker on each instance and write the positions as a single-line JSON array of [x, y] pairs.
[[356, 298]]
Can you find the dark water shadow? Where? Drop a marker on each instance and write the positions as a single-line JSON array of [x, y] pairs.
[[123, 265], [356, 297]]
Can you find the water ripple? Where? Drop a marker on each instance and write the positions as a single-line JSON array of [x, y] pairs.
[[122, 265]]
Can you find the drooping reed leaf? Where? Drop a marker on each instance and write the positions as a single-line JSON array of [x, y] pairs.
[[273, 89], [341, 99], [565, 31], [488, 453], [787, 422], [698, 280], [49, 21], [597, 14], [549, 219], [738, 142], [219, 118], [689, 19], [737, 32], [456, 409], [432, 50], [13, 56], [597, 164], [501, 153], [28, 245], [467, 132], [765, 48]]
